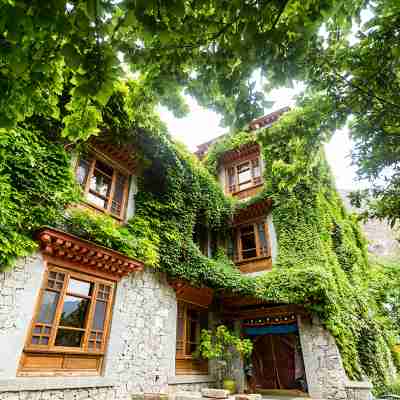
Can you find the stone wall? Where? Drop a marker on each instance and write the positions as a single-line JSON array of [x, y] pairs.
[[325, 374], [141, 350], [67, 394], [19, 288]]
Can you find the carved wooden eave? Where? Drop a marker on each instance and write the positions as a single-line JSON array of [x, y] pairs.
[[81, 254], [242, 153], [267, 120], [125, 156], [253, 211], [185, 292], [242, 308]]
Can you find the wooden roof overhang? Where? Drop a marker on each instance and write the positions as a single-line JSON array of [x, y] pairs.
[[241, 308], [202, 296], [267, 120], [241, 153], [253, 211], [85, 256], [124, 155]]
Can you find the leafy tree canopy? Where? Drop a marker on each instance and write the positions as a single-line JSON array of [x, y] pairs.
[[361, 79], [75, 50]]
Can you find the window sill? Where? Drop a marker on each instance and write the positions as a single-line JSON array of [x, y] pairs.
[[184, 379], [56, 383], [238, 192], [88, 204], [249, 260]]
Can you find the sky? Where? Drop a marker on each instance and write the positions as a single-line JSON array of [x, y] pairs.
[[201, 125]]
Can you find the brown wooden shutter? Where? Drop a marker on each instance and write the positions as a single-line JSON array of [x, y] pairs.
[[231, 179]]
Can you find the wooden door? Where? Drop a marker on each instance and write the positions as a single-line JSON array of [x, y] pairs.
[[274, 361]]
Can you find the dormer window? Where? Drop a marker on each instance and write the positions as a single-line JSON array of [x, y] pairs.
[[105, 187], [243, 175]]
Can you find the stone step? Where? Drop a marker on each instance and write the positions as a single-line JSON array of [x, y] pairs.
[[215, 393]]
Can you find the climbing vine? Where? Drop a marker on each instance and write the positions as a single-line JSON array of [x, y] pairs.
[[322, 261]]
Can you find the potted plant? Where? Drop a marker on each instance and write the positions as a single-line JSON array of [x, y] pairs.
[[224, 346]]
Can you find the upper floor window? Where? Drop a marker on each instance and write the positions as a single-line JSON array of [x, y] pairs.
[[250, 241], [104, 186], [243, 175]]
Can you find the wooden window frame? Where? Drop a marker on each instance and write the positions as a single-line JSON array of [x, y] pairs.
[[68, 355], [91, 158], [185, 362], [255, 181], [261, 254]]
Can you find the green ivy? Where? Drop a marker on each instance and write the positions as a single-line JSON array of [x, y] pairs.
[[322, 261]]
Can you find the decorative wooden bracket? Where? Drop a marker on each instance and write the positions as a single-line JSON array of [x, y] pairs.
[[185, 292], [66, 247]]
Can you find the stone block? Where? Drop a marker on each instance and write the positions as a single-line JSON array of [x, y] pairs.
[[241, 397], [151, 396], [186, 395], [215, 393], [254, 396]]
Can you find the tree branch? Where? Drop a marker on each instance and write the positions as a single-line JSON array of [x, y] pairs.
[[278, 17], [359, 88]]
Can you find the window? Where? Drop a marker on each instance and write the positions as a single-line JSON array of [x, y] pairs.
[[191, 320], [249, 241], [243, 175], [201, 238], [69, 331], [104, 186]]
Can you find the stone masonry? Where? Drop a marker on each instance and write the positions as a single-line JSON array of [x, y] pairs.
[[325, 374], [141, 350]]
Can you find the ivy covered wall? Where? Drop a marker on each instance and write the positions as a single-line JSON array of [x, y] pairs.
[[322, 261]]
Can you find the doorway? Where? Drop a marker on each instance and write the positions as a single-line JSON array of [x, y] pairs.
[[278, 362]]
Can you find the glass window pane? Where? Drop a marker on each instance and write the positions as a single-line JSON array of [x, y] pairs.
[[74, 312], [82, 171], [69, 338], [99, 315], [48, 307], [244, 173], [262, 238], [116, 204], [248, 241], [44, 340], [256, 168], [35, 339], [79, 287], [231, 176], [100, 183]]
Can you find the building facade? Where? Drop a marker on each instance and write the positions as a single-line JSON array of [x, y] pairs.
[[81, 321]]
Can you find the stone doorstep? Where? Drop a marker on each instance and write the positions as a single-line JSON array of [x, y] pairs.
[[215, 393], [254, 396]]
